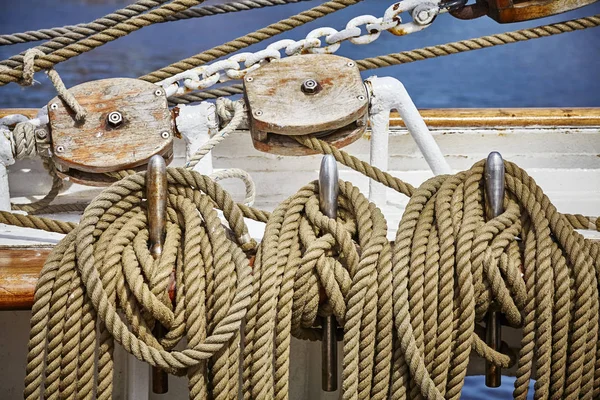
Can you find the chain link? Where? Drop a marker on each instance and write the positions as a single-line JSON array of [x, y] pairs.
[[236, 67]]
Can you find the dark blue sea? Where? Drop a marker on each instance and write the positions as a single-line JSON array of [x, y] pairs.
[[561, 71]]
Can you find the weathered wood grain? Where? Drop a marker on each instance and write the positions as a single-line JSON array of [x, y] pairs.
[[96, 145], [277, 104]]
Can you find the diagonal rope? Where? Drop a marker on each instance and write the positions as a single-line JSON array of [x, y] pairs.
[[425, 53]]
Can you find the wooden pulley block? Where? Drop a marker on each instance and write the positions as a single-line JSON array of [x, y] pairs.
[[128, 121], [315, 94], [505, 11]]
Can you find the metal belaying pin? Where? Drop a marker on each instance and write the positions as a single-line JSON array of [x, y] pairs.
[[328, 194], [494, 206], [156, 194]]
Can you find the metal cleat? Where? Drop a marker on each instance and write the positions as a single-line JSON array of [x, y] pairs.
[[316, 94]]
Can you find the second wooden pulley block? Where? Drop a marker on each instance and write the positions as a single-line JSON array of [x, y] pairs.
[[316, 94], [128, 121]]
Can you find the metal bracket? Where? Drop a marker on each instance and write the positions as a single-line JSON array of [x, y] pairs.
[[328, 201], [156, 194], [494, 206]]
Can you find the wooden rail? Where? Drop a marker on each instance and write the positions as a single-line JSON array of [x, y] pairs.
[[470, 117], [19, 271]]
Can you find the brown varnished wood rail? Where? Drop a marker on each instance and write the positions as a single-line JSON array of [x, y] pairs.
[[470, 117], [19, 272]]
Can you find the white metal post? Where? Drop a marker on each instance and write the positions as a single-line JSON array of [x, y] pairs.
[[388, 94], [196, 124]]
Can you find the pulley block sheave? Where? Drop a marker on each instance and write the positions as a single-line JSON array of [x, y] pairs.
[[316, 94], [128, 121]]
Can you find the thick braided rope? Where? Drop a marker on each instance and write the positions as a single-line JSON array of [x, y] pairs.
[[249, 39], [114, 269], [425, 53], [225, 8], [119, 30], [436, 322], [80, 31], [478, 43], [76, 32]]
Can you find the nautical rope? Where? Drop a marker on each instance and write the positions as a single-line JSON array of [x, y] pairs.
[[410, 312], [479, 43], [71, 34], [424, 53], [249, 39], [121, 29], [77, 32]]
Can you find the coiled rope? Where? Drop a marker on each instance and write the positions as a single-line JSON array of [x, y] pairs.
[[410, 311]]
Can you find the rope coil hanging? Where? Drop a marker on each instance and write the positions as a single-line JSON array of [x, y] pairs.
[[410, 312]]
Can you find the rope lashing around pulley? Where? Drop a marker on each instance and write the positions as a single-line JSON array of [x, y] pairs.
[[410, 311]]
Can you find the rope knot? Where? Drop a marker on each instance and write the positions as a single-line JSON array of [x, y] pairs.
[[23, 143]]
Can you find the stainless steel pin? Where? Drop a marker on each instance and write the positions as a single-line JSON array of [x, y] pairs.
[[494, 206], [156, 195], [328, 195]]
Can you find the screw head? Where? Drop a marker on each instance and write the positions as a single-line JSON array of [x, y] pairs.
[[258, 113], [41, 133], [310, 86], [165, 135], [158, 92], [249, 79], [423, 15], [115, 118], [59, 149], [54, 106]]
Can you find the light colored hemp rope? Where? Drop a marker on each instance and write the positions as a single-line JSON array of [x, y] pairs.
[[24, 146], [410, 339], [249, 39], [425, 53], [72, 33], [80, 31], [119, 30]]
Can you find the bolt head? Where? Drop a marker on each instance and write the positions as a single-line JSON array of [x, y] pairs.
[[165, 135], [41, 133], [310, 86], [423, 15], [115, 118]]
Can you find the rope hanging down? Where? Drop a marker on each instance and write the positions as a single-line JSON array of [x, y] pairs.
[[410, 312]]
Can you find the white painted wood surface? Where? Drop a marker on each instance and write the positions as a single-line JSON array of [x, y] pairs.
[[565, 162]]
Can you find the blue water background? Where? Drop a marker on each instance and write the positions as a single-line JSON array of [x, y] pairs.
[[560, 71]]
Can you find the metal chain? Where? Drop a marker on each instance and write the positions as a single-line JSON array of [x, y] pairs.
[[423, 13]]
